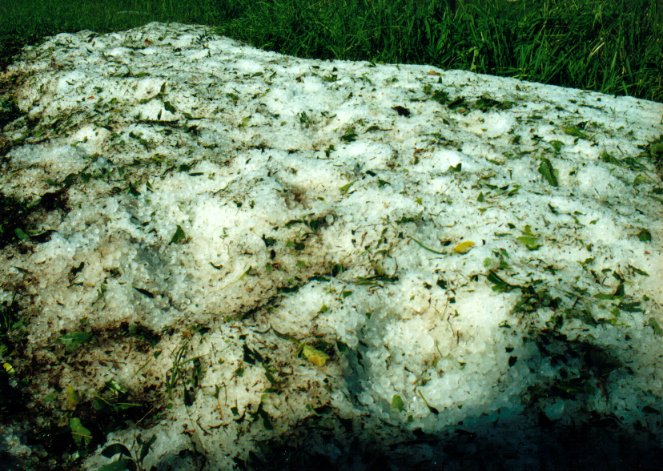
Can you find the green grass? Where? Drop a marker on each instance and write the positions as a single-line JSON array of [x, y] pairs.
[[613, 46]]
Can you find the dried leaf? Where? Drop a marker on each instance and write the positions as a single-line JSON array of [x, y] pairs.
[[464, 247], [315, 356], [71, 398]]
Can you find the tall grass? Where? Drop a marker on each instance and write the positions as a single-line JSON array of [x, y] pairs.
[[613, 46]]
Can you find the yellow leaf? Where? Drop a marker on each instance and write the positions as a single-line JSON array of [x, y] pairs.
[[9, 368], [70, 398], [314, 355], [464, 247]]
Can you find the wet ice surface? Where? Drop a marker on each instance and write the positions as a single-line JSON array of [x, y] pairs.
[[334, 256]]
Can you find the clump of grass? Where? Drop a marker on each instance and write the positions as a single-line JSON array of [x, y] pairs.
[[609, 46], [612, 46]]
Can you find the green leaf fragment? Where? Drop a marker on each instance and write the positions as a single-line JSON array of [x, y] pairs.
[[528, 239], [499, 285], [574, 131], [653, 323], [345, 188], [605, 157], [638, 271], [644, 235], [420, 244], [132, 190], [557, 145], [397, 403], [21, 234], [81, 435], [618, 293], [73, 340], [441, 97], [349, 136], [295, 245], [549, 173], [459, 102], [630, 306], [529, 242], [145, 446], [656, 149], [486, 103], [121, 464], [144, 292], [179, 235], [115, 449]]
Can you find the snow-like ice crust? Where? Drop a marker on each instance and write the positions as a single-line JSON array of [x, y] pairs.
[[234, 201]]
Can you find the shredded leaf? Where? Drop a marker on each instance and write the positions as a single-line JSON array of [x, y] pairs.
[[557, 145], [402, 111], [397, 403], [574, 131], [144, 292], [21, 234], [81, 435], [179, 235], [653, 323], [116, 449], [349, 136], [73, 340], [528, 239], [420, 244], [499, 284], [549, 174], [345, 188]]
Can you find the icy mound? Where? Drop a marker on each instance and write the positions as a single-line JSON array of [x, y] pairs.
[[335, 260]]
